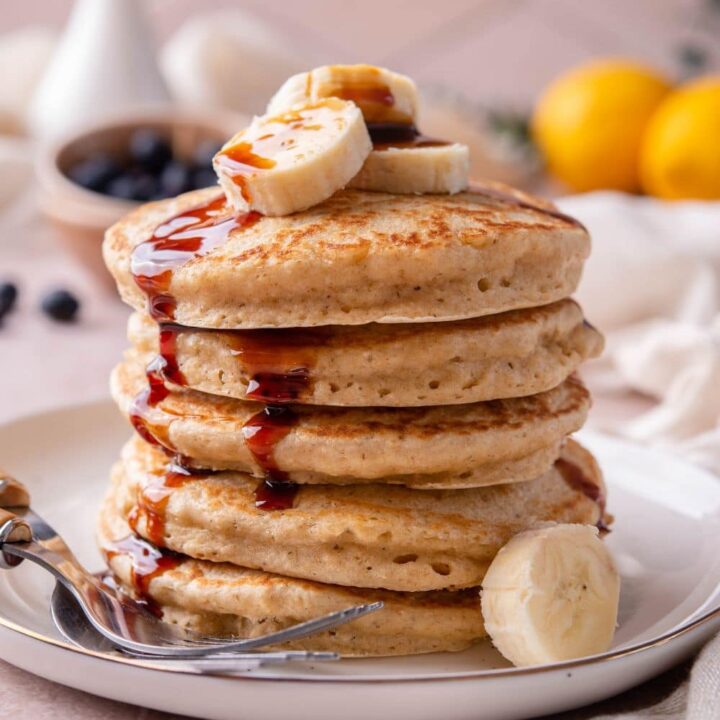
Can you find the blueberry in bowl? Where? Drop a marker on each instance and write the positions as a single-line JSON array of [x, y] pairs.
[[91, 179], [149, 168]]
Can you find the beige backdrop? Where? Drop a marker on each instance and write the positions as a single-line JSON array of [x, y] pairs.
[[498, 51]]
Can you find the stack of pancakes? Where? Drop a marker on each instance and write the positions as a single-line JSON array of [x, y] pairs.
[[364, 400]]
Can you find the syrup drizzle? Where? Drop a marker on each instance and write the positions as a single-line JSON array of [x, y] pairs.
[[273, 495], [148, 562], [573, 475], [373, 96], [276, 362], [149, 558], [141, 415], [190, 235], [152, 500], [262, 432], [386, 135], [362, 94]]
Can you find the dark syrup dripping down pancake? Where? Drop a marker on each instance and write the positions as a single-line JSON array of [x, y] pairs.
[[141, 415], [377, 94], [152, 500], [148, 562], [189, 235], [262, 433], [400, 135], [573, 475], [277, 363]]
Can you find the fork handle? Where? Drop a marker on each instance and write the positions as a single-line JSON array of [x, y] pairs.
[[12, 492], [17, 530], [13, 529]]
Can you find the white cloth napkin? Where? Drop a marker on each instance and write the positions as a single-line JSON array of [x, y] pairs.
[[652, 285]]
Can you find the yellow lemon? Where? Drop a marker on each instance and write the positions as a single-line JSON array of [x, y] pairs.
[[590, 122], [681, 150]]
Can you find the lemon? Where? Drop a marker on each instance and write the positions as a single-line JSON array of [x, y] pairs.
[[590, 122], [681, 150]]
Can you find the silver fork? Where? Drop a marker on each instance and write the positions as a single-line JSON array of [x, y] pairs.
[[24, 535], [75, 627]]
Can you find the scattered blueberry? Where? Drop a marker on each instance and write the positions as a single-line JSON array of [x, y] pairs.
[[94, 173], [150, 149], [8, 295], [204, 177], [175, 179], [60, 305]]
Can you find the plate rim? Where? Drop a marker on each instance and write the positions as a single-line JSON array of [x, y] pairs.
[[477, 675]]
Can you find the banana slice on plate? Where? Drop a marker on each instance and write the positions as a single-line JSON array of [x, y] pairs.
[[382, 95], [437, 167], [551, 594], [289, 161]]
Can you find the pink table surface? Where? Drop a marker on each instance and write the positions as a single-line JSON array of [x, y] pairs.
[[44, 364]]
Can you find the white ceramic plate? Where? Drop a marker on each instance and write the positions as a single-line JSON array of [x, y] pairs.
[[666, 540]]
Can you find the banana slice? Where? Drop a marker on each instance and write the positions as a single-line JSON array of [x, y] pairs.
[[291, 161], [382, 95], [387, 100], [435, 168], [550, 595]]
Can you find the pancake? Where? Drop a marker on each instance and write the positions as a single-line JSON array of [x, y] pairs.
[[357, 258], [450, 446], [522, 352], [375, 536], [223, 599]]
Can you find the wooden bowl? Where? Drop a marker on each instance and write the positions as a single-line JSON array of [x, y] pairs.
[[80, 216]]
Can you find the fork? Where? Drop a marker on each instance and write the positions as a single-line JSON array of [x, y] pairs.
[[24, 535]]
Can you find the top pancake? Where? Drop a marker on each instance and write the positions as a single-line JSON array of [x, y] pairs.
[[365, 257]]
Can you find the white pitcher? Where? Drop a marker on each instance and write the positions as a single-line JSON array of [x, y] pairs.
[[104, 64]]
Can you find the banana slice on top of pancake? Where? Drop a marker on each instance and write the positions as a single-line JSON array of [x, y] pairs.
[[417, 166], [292, 160], [402, 161], [383, 96]]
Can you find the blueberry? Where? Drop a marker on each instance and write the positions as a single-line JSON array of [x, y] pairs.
[[145, 187], [203, 177], [150, 149], [60, 305], [204, 153], [122, 187], [95, 172], [175, 179], [8, 296]]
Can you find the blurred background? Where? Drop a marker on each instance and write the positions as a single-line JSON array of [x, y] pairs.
[[612, 108], [482, 64], [493, 51]]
